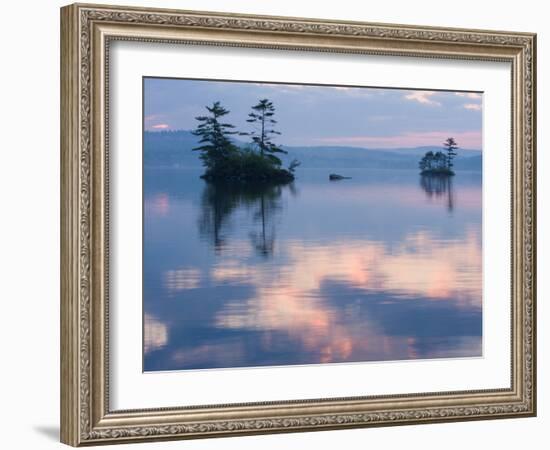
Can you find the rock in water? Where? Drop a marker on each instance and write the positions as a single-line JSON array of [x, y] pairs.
[[335, 176]]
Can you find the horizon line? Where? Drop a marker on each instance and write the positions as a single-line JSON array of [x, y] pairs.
[[174, 130]]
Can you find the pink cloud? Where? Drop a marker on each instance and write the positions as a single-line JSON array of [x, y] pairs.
[[424, 97], [155, 122], [473, 106], [160, 126], [465, 139], [473, 95]]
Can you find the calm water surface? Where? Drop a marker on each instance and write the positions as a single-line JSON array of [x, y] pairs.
[[385, 266]]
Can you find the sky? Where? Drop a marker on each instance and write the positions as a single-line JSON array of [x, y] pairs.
[[310, 115]]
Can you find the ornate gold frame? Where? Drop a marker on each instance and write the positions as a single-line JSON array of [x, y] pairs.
[[86, 31]]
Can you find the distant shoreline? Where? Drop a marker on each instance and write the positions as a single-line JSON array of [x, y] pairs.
[[169, 148]]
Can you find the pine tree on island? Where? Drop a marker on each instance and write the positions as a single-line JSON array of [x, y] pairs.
[[262, 117], [215, 137], [451, 147]]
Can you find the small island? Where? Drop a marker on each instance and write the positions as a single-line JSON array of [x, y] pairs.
[[256, 161], [439, 163]]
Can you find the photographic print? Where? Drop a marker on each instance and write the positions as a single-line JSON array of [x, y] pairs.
[[295, 224], [343, 211]]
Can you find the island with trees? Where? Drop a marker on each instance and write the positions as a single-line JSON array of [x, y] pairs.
[[441, 162], [256, 161]]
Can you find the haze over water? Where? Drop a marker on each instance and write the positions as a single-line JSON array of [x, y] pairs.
[[384, 266]]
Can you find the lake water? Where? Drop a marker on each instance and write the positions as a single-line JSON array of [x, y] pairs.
[[384, 266]]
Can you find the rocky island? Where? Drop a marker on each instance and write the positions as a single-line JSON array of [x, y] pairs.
[[441, 162]]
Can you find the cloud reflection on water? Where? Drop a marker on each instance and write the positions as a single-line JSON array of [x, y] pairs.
[[291, 301]]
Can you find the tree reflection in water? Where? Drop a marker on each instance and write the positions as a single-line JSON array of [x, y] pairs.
[[439, 187], [220, 200]]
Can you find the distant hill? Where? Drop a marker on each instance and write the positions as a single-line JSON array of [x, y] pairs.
[[174, 148], [420, 151], [170, 148]]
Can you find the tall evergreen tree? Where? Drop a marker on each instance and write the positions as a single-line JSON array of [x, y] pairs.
[[216, 145], [451, 147], [262, 117]]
